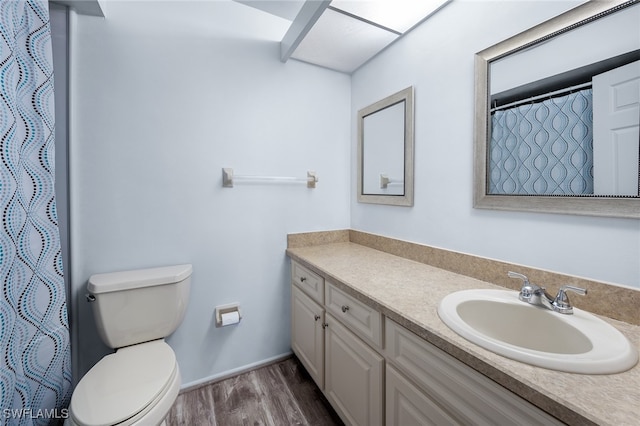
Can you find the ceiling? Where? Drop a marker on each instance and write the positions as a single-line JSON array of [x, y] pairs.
[[344, 34], [287, 9], [338, 34]]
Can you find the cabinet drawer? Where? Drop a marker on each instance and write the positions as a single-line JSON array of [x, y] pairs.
[[363, 320], [310, 282], [465, 394]]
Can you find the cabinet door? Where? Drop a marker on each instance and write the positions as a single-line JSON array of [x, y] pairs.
[[463, 393], [307, 334], [353, 376], [408, 406]]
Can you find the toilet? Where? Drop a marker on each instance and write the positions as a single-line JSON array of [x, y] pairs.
[[134, 311]]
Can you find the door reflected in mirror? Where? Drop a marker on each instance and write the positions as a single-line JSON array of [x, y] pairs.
[[385, 150]]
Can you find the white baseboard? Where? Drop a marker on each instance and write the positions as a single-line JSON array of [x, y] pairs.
[[185, 387]]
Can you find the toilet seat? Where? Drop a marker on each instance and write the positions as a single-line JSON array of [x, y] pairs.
[[124, 386]]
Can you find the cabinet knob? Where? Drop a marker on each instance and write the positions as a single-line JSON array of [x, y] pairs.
[[345, 308], [325, 325], [316, 317], [303, 279]]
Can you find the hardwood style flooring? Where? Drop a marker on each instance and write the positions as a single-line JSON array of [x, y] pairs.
[[279, 394]]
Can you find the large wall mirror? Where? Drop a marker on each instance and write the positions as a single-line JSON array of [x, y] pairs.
[[558, 115], [385, 150]]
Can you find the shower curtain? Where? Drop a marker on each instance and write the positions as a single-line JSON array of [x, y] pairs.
[[35, 370], [543, 148]]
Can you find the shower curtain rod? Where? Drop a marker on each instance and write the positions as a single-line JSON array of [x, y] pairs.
[[544, 95]]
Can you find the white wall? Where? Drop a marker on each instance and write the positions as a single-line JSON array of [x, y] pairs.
[[160, 103], [437, 59]]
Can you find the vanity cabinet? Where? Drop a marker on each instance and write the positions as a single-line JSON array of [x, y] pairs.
[[333, 341], [374, 371]]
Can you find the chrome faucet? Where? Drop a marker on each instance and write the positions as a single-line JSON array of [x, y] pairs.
[[538, 296]]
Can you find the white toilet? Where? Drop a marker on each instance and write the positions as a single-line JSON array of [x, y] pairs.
[[134, 312]]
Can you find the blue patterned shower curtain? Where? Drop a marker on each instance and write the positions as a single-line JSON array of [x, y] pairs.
[[543, 148], [35, 370]]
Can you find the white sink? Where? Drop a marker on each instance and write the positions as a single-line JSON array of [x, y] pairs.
[[498, 321]]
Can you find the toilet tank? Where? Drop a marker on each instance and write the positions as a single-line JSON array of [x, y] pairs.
[[136, 306]]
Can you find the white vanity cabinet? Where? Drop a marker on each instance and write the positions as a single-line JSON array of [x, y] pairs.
[[374, 371], [335, 349]]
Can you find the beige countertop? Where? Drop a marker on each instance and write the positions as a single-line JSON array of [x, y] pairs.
[[409, 293]]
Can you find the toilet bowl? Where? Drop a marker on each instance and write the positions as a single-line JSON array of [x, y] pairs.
[[134, 386], [138, 384]]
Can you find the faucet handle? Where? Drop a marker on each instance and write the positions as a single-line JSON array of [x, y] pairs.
[[580, 291], [561, 302], [528, 290], [525, 280]]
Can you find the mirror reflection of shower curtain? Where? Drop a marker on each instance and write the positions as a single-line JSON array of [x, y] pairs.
[[543, 148], [35, 374]]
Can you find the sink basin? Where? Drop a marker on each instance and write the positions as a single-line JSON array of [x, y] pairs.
[[498, 321]]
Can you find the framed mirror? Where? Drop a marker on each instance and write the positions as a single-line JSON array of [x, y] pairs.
[[385, 150], [558, 115]]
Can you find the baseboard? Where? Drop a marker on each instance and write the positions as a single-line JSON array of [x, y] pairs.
[[186, 387]]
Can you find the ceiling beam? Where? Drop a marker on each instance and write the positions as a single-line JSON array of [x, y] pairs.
[[306, 18], [83, 7]]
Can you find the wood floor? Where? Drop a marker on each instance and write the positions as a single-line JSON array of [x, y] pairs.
[[279, 394]]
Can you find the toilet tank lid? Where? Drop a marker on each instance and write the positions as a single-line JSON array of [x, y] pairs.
[[127, 280]]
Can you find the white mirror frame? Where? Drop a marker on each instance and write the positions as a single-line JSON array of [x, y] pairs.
[[406, 96], [627, 207]]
